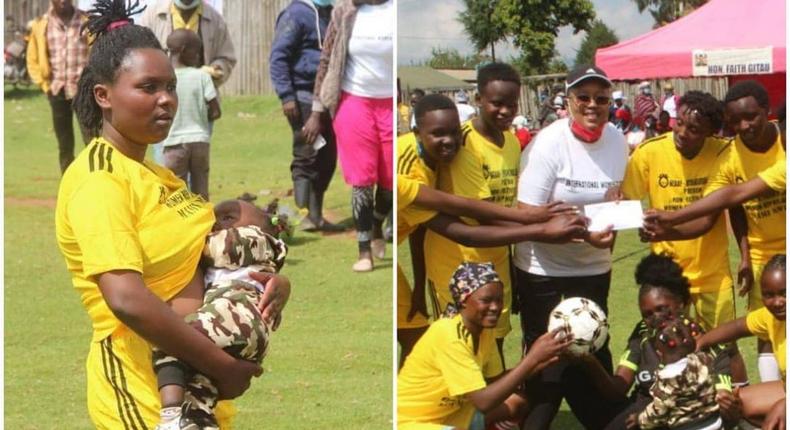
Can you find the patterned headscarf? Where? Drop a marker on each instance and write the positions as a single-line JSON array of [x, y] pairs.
[[468, 278]]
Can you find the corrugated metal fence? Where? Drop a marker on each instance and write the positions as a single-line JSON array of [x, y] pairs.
[[251, 25]]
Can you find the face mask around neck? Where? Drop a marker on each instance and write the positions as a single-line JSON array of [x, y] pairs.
[[180, 4], [587, 136], [323, 3]]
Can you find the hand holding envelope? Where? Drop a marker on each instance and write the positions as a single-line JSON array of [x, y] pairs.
[[622, 215]]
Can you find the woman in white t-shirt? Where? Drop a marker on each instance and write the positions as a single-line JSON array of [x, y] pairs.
[[354, 82], [574, 160]]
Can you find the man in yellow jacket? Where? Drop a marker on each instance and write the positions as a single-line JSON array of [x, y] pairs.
[[56, 54]]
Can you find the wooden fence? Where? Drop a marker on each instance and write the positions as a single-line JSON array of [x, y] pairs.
[[251, 26]]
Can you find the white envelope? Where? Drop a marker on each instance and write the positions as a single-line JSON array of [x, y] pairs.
[[622, 215]]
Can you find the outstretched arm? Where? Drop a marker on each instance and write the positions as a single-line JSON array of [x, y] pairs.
[[485, 211], [713, 203], [558, 229], [653, 231], [544, 351], [724, 333]]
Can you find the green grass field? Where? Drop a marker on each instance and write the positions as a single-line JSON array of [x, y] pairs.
[[623, 313], [330, 364]]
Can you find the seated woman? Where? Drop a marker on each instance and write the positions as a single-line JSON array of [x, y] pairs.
[[663, 292], [764, 403], [454, 379]]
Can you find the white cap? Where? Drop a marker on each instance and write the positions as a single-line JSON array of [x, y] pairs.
[[617, 95], [520, 121]]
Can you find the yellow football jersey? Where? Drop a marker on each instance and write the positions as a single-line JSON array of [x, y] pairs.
[[480, 170], [658, 171], [113, 213], [441, 369], [765, 326], [765, 215], [412, 172], [776, 176]]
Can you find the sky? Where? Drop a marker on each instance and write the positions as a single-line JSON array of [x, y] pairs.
[[425, 24]]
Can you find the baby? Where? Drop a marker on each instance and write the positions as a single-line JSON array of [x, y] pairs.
[[684, 393], [241, 242]]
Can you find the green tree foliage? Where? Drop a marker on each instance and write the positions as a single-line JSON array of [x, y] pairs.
[[483, 27], [531, 25], [666, 11], [450, 58], [599, 36]]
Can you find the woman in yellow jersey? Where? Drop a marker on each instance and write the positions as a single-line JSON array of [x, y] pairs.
[[764, 403], [437, 141], [132, 234], [574, 160], [454, 378]]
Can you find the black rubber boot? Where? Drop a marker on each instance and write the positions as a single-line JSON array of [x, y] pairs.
[[316, 216], [302, 188]]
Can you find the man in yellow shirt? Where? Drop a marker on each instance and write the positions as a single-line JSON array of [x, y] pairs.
[[764, 403], [756, 148], [449, 375], [492, 177], [673, 170]]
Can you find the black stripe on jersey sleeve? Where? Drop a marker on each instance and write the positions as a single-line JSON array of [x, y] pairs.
[[405, 158], [109, 158], [100, 156], [91, 166]]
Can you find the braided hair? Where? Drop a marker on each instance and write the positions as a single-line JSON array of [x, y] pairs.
[[115, 36]]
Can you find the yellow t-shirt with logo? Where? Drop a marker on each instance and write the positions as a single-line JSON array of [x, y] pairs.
[[658, 171], [765, 215], [442, 368], [412, 172], [765, 326], [480, 170], [775, 176], [114, 213]]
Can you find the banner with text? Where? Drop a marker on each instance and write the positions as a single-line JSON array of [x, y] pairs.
[[723, 62]]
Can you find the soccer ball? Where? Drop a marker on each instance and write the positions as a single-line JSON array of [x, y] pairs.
[[585, 320]]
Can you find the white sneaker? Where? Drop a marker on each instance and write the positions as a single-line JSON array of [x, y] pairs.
[[173, 418]]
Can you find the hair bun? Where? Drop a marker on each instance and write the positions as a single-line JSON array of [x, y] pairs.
[[108, 15]]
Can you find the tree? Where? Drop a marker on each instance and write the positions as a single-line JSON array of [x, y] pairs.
[[531, 26], [483, 28], [599, 36], [666, 11], [450, 58]]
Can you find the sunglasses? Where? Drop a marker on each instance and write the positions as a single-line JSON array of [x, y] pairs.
[[586, 99]]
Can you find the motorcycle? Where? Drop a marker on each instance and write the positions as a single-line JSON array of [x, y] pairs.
[[15, 60]]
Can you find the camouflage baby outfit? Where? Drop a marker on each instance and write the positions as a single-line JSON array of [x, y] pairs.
[[682, 398], [229, 315]]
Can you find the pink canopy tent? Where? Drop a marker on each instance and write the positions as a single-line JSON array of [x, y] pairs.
[[737, 39], [719, 24]]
